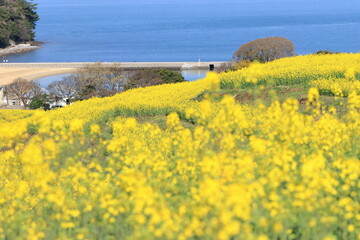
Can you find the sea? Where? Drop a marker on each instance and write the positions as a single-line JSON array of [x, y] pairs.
[[187, 30]]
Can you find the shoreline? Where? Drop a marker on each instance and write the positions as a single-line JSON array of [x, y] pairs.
[[124, 65], [30, 71], [7, 75], [18, 49]]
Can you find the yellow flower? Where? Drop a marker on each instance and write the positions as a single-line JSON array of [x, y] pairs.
[[351, 228], [262, 237], [80, 236], [94, 129], [278, 227], [329, 237]]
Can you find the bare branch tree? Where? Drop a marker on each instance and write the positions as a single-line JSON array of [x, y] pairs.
[[265, 50], [23, 90], [99, 80], [65, 88], [114, 79], [89, 78], [144, 78]]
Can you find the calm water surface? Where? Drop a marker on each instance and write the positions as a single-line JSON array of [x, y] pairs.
[[187, 30]]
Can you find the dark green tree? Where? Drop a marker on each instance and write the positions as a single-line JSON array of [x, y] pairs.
[[169, 76], [151, 77], [323, 52], [39, 101], [17, 21]]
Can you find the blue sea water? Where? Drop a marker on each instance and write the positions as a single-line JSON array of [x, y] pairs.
[[187, 30]]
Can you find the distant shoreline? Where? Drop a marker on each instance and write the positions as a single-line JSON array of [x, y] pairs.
[[32, 71], [124, 65], [19, 49], [8, 75]]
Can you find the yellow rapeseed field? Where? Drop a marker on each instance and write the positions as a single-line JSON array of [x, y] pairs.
[[92, 171], [299, 70], [12, 115]]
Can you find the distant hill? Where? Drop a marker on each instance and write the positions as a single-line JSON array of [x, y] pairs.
[[17, 21]]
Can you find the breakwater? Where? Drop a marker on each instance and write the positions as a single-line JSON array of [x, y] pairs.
[[125, 65]]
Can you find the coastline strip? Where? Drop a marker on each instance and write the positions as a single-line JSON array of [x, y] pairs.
[[31, 71], [7, 75], [126, 65], [17, 49]]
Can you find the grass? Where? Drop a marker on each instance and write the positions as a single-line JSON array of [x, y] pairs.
[[160, 120], [252, 96], [267, 94]]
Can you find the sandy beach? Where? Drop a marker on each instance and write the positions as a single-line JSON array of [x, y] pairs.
[[7, 75]]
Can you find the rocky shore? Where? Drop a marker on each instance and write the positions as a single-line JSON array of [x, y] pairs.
[[17, 49]]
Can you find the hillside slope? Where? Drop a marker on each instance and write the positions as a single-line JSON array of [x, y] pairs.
[[217, 170]]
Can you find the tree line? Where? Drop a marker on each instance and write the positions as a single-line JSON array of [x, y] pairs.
[[17, 21], [98, 80], [93, 80]]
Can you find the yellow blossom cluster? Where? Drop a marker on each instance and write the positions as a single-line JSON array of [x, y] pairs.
[[295, 70], [139, 102], [340, 87], [92, 171], [12, 115]]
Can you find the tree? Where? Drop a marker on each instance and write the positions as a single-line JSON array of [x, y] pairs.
[[99, 80], [39, 101], [17, 21], [265, 50], [226, 67], [143, 78], [151, 77], [23, 90], [323, 52], [169, 76], [93, 80], [115, 78], [65, 88], [233, 66]]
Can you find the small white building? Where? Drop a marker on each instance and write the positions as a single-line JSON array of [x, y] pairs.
[[12, 102], [57, 102], [2, 97], [6, 101]]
